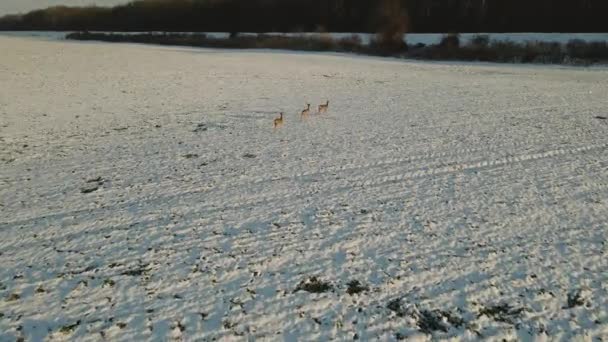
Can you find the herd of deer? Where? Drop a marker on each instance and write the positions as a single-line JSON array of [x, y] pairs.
[[278, 122]]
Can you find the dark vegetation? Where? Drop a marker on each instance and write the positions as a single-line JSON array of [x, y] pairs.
[[481, 48], [260, 41], [437, 320], [390, 19], [313, 285], [501, 313], [575, 298], [355, 287], [330, 15], [67, 329]]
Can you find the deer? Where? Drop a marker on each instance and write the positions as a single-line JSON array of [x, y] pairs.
[[278, 121], [323, 107], [305, 112]]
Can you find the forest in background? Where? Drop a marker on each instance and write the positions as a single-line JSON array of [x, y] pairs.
[[420, 16]]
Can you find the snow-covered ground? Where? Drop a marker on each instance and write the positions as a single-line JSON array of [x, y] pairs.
[[145, 195], [411, 38]]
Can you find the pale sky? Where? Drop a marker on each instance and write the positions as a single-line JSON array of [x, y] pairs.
[[21, 6]]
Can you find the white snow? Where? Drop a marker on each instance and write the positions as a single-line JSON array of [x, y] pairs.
[[453, 187]]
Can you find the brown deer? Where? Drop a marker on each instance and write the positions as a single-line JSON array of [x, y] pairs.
[[278, 122], [305, 112], [323, 107]]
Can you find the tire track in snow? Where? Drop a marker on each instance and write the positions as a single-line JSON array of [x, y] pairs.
[[350, 182], [280, 196]]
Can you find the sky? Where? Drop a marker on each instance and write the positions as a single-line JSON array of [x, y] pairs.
[[22, 6]]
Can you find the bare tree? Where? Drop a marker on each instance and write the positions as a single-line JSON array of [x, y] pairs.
[[393, 23]]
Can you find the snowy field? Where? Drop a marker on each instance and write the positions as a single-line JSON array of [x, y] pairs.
[[144, 195], [411, 38]]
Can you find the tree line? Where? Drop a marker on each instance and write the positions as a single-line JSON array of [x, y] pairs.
[[321, 15]]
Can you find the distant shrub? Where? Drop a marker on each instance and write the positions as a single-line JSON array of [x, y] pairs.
[[449, 48], [575, 47], [542, 52], [393, 26], [413, 49], [506, 51], [597, 50], [480, 40], [379, 45], [326, 42], [351, 43], [450, 41], [262, 36], [578, 49]]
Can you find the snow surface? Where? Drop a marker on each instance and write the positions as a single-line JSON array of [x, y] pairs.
[[144, 195]]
